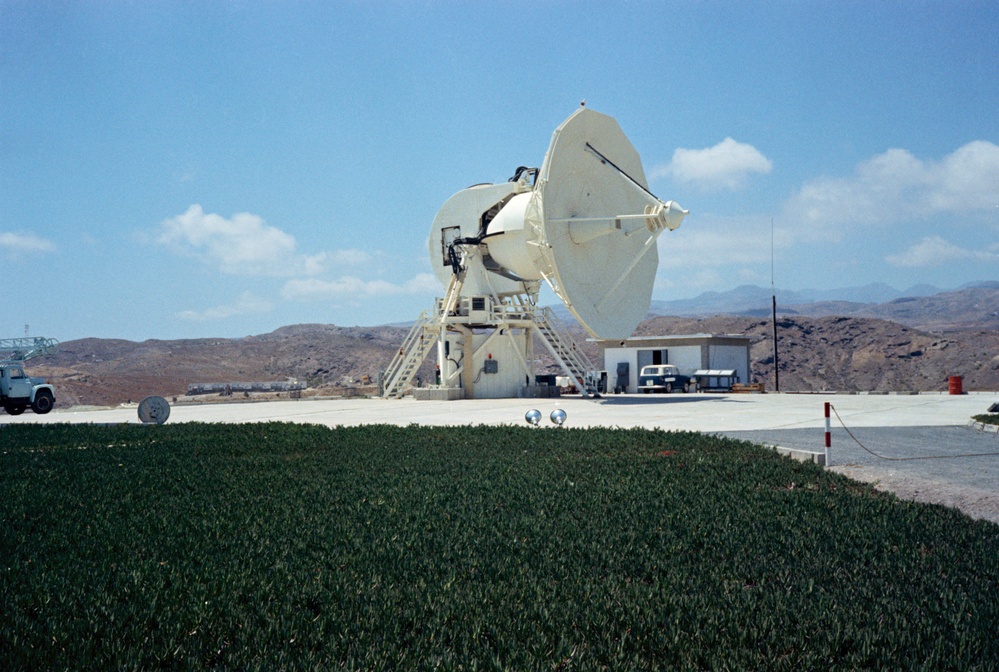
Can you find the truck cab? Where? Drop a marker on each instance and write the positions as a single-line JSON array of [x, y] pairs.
[[18, 391], [664, 378]]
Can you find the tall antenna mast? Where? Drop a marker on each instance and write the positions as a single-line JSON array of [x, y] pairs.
[[773, 295]]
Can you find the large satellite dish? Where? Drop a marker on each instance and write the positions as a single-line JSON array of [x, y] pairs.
[[587, 226]]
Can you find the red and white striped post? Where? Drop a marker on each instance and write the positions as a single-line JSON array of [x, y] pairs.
[[828, 433]]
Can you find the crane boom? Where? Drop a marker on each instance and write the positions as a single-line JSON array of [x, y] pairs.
[[23, 349]]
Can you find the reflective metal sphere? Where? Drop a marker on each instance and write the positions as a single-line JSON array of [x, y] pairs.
[[558, 416], [533, 417]]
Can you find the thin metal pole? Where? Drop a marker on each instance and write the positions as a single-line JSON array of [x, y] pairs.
[[776, 363], [828, 433], [773, 290]]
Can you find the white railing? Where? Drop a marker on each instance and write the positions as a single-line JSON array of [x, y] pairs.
[[410, 356], [563, 348]]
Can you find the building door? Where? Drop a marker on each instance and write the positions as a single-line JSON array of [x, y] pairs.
[[652, 358]]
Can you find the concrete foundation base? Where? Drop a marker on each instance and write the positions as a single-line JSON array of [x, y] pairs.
[[438, 393], [540, 392], [802, 455]]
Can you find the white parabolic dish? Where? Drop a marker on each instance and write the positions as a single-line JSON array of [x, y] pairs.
[[588, 227]]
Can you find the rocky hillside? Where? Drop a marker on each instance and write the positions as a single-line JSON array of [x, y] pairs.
[[853, 353], [815, 354], [95, 371]]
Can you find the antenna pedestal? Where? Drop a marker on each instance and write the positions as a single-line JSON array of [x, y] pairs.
[[486, 348]]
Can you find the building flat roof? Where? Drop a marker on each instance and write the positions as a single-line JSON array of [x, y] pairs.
[[638, 341]]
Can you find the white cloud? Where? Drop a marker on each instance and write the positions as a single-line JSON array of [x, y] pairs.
[[896, 186], [246, 304], [935, 251], [246, 245], [350, 257], [24, 242], [423, 283], [350, 287], [319, 263], [727, 165], [242, 245]]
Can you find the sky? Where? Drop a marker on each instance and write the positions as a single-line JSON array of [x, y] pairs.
[[174, 169]]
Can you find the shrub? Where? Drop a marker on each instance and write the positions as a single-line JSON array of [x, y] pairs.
[[988, 418]]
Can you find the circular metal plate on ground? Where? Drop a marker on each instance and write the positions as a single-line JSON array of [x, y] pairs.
[[154, 410]]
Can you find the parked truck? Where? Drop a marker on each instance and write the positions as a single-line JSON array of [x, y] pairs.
[[18, 391]]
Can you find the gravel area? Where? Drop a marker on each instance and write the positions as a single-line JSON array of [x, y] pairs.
[[946, 475]]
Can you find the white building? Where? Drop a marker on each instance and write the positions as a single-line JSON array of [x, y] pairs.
[[691, 353]]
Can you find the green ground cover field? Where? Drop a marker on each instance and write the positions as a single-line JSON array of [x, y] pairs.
[[278, 546]]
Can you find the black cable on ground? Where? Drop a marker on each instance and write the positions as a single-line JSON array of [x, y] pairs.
[[903, 459]]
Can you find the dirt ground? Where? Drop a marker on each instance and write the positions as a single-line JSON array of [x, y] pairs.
[[975, 502], [952, 466]]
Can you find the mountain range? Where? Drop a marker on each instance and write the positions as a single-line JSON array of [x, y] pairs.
[[922, 306]]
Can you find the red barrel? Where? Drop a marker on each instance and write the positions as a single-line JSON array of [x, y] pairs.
[[954, 385]]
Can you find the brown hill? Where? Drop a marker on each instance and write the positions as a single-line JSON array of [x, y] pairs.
[[852, 353], [96, 371], [815, 354]]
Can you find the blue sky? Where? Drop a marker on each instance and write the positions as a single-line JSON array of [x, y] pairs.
[[196, 169]]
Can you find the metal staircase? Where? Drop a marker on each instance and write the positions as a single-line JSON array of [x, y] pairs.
[[563, 348], [410, 356], [451, 296], [421, 338]]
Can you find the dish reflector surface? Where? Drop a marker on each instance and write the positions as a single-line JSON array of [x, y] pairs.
[[605, 281]]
